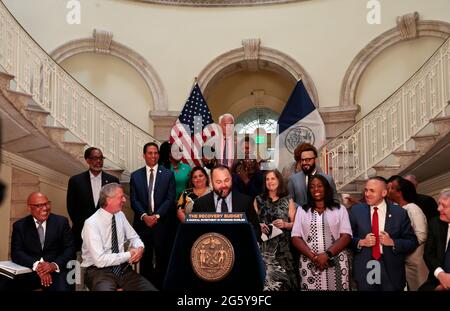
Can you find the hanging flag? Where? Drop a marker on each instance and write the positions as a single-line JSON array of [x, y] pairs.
[[300, 122], [191, 128]]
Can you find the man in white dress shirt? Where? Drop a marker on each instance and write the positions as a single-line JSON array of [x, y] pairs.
[[105, 255]]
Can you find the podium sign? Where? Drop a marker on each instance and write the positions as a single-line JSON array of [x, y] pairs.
[[215, 256]]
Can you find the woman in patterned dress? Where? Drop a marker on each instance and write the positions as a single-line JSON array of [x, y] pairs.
[[321, 233], [276, 213]]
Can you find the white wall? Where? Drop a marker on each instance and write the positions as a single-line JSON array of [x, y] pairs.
[[114, 82], [391, 69], [322, 35]]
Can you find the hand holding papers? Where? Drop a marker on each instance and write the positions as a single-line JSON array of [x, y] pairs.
[[273, 232]]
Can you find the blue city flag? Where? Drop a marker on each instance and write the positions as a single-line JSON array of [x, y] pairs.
[[300, 122]]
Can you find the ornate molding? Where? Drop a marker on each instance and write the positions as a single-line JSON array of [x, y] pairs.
[[102, 41], [269, 59], [218, 3], [131, 57], [407, 25], [251, 53], [375, 47]]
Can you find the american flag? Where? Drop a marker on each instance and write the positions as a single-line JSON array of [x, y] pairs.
[[191, 127]]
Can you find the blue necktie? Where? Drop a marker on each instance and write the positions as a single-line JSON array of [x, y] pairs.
[[447, 259]]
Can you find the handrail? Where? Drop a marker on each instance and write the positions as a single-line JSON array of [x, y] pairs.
[[393, 123], [70, 104]]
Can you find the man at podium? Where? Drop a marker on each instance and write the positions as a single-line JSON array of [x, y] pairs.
[[224, 200], [222, 251]]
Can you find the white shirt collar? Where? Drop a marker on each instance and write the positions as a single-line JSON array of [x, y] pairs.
[[155, 168], [99, 176]]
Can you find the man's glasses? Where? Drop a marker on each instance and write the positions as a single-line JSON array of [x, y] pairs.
[[96, 158], [306, 160], [41, 205]]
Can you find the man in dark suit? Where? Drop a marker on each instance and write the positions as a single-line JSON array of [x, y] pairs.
[[298, 182], [83, 191], [382, 237], [437, 247], [42, 242], [223, 200], [426, 203], [152, 196]]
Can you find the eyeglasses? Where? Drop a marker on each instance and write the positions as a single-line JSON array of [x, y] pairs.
[[41, 205], [96, 158], [306, 159]]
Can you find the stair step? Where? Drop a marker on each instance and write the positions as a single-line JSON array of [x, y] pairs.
[[56, 133], [74, 148], [406, 152], [37, 109], [5, 79], [6, 75], [425, 137]]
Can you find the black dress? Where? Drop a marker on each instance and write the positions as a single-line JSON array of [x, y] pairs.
[[276, 253]]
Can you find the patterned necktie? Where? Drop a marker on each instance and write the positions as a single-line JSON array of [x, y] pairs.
[[150, 190], [224, 206], [114, 245], [41, 234], [447, 259], [376, 252]]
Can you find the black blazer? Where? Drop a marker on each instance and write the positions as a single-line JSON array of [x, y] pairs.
[[241, 203], [435, 247], [80, 201], [58, 246]]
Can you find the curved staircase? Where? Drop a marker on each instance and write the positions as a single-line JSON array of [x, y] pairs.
[[403, 131], [51, 118]]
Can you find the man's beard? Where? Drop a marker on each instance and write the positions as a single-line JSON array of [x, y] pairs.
[[221, 193], [311, 169]]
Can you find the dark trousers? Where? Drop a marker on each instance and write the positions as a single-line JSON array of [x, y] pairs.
[[103, 279], [31, 281], [155, 259]]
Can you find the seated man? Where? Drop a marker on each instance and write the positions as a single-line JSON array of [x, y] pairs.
[[42, 242], [104, 235]]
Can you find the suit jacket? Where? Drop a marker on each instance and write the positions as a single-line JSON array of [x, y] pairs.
[[163, 197], [428, 206], [80, 201], [435, 247], [298, 188], [58, 246], [392, 262], [241, 203]]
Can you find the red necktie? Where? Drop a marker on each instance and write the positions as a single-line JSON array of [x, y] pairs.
[[376, 253]]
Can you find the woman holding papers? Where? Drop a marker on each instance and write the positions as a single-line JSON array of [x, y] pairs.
[[276, 213], [198, 186], [321, 233]]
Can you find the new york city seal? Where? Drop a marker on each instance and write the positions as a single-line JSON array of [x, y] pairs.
[[212, 257]]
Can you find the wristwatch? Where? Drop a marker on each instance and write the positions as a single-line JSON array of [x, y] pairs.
[[331, 262], [329, 254]]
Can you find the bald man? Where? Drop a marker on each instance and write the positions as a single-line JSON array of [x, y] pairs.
[[43, 242]]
